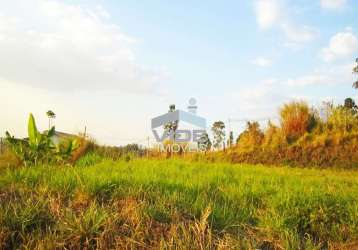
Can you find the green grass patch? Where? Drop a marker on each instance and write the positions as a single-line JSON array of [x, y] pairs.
[[176, 204]]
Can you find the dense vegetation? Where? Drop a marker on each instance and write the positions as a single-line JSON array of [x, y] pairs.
[[327, 137], [177, 205]]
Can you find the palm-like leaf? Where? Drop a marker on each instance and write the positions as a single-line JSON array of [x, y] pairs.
[[50, 114], [32, 131]]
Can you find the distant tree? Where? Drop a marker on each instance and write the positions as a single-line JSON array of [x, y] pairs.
[[230, 141], [350, 105], [219, 134], [51, 115], [171, 127], [355, 70], [204, 142]]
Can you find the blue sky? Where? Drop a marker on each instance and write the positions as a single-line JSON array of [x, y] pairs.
[[112, 65]]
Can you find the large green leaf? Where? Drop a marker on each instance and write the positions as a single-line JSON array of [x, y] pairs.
[[32, 131]]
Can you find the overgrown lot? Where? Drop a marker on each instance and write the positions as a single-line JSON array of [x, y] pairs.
[[173, 204]]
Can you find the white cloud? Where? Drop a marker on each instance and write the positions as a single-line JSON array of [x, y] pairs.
[[299, 34], [262, 62], [341, 45], [312, 79], [268, 13], [61, 46], [333, 4], [270, 82], [328, 75], [50, 49], [258, 101], [275, 14]]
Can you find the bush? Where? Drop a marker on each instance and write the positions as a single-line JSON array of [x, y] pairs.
[[343, 119], [274, 138], [251, 138], [296, 120]]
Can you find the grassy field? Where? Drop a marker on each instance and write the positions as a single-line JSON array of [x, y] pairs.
[[177, 205]]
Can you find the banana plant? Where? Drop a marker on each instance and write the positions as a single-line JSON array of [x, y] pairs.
[[39, 141], [40, 144], [65, 149], [39, 147]]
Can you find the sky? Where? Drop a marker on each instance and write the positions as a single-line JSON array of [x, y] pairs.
[[111, 66]]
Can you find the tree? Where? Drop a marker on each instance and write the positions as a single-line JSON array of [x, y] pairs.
[[230, 141], [355, 70], [51, 115], [350, 106], [171, 127], [219, 134], [204, 142], [349, 103]]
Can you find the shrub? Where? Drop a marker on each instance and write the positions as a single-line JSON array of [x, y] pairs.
[[251, 138], [296, 120], [343, 119], [274, 138]]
